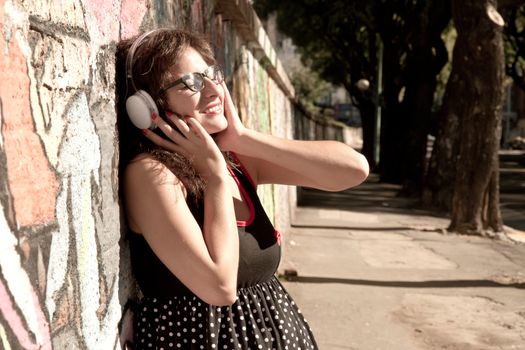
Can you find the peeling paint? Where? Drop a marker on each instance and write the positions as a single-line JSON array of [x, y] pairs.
[[131, 14], [19, 304], [32, 183]]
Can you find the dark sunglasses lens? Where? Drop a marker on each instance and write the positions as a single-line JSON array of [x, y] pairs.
[[194, 82], [218, 74], [214, 73]]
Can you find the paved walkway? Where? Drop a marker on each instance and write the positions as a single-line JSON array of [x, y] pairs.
[[374, 273]]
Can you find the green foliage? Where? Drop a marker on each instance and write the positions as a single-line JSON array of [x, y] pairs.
[[334, 37], [449, 36], [514, 44], [309, 87], [339, 38]]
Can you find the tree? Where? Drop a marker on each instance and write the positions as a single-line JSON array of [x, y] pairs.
[[441, 174], [514, 38], [414, 55], [467, 146], [340, 39], [336, 40]]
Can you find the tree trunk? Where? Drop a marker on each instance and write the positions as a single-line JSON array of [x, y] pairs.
[[441, 172], [394, 127], [367, 111], [479, 65], [426, 60], [409, 94]]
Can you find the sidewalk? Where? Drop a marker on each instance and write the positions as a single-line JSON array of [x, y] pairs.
[[375, 274]]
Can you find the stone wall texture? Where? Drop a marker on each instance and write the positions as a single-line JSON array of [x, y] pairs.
[[64, 268]]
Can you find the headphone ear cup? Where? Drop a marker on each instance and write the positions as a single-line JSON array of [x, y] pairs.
[[140, 106]]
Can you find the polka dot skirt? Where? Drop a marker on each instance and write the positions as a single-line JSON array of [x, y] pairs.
[[263, 317]]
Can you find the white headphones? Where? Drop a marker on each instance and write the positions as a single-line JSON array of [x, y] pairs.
[[140, 105]]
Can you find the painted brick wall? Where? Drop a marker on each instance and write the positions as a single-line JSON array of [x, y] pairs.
[[65, 277], [64, 268]]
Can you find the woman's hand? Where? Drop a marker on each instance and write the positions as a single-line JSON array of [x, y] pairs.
[[229, 139], [193, 142]]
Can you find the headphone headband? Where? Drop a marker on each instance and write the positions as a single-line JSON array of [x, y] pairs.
[[139, 106], [131, 53]]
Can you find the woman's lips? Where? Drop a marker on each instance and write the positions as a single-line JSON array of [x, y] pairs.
[[215, 108]]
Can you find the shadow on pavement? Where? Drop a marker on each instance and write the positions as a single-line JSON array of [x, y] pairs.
[[370, 196], [359, 228], [374, 196], [408, 284]]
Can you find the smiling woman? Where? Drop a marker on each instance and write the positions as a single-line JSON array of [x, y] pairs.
[[197, 95], [203, 250]]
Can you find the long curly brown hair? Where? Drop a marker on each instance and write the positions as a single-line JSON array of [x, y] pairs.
[[151, 61]]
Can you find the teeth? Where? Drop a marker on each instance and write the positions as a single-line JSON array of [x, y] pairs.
[[215, 109]]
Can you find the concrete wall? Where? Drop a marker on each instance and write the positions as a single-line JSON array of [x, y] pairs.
[[64, 269]]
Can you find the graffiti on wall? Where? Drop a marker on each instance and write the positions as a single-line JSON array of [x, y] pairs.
[[28, 201], [63, 283], [58, 268]]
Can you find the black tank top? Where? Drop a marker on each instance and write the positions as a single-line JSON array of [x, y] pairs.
[[259, 247]]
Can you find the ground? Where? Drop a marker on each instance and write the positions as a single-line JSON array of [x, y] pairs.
[[376, 273]]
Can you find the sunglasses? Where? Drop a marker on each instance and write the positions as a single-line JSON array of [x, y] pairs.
[[195, 81]]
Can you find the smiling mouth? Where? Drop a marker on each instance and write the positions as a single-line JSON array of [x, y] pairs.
[[215, 109]]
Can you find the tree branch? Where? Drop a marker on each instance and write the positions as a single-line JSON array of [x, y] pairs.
[[504, 4]]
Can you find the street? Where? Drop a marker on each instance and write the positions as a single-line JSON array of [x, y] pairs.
[[374, 272]]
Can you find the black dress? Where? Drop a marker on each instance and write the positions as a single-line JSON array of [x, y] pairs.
[[264, 316]]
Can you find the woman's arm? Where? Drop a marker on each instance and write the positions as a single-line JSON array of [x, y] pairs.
[[205, 261], [326, 165]]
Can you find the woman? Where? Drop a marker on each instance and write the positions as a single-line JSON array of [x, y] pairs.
[[203, 251]]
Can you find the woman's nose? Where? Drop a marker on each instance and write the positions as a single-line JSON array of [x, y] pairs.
[[211, 88]]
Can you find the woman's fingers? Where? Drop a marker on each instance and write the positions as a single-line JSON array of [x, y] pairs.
[[191, 139], [228, 102], [197, 128], [162, 142], [179, 123], [168, 130]]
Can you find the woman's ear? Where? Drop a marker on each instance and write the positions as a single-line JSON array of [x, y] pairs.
[[170, 112], [164, 108]]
